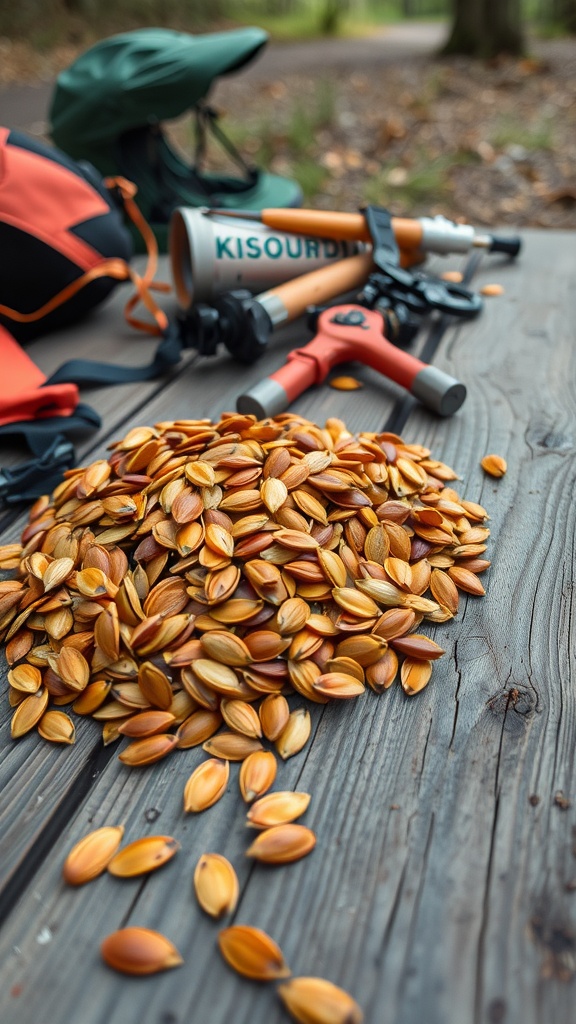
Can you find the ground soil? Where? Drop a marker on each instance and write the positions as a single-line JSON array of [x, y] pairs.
[[385, 119]]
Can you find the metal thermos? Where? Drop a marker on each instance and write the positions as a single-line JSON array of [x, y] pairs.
[[211, 254]]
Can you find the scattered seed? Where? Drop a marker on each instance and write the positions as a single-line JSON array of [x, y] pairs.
[[492, 289], [494, 465], [316, 1001], [206, 785], [139, 951], [143, 856], [216, 885], [282, 844], [277, 808], [252, 953], [257, 774], [345, 383], [92, 854]]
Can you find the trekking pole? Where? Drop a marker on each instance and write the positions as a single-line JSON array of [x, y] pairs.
[[413, 234]]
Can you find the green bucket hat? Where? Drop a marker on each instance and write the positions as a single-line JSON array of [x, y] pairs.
[[108, 107]]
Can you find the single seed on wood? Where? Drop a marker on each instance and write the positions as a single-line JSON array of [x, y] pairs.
[[143, 856], [257, 774], [274, 712], [231, 746], [295, 733], [345, 383], [216, 885], [492, 289], [29, 712], [277, 808], [418, 646], [146, 723], [206, 785], [139, 951], [415, 675], [317, 1001], [338, 685], [282, 844], [241, 717], [494, 465], [197, 728], [91, 855], [252, 953], [383, 672], [466, 580], [148, 750], [57, 727]]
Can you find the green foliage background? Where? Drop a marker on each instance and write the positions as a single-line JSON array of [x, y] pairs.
[[45, 23]]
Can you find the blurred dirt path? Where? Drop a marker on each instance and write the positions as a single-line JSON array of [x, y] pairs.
[[25, 107]]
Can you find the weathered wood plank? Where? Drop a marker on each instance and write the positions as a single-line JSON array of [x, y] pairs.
[[437, 889]]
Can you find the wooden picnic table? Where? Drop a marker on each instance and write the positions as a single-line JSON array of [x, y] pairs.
[[442, 888]]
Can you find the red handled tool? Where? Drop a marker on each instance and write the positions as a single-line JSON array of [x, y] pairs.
[[346, 333]]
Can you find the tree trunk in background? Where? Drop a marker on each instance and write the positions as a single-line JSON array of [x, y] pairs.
[[486, 28], [568, 15]]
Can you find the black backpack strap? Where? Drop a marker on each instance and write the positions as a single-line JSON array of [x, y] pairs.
[[53, 452], [86, 372]]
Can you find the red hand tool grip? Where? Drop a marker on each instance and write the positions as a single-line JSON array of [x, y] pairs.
[[347, 333]]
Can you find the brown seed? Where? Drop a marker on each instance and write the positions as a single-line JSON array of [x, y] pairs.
[[206, 785], [415, 675], [492, 289], [143, 856], [338, 685], [155, 685], [231, 746], [444, 590], [148, 750], [395, 622], [197, 728], [225, 647], [418, 646], [383, 672], [282, 844], [241, 717], [216, 885], [56, 573], [345, 383], [466, 580], [139, 951], [274, 493], [264, 645], [362, 649], [252, 953], [383, 592], [147, 723], [295, 733], [25, 678], [277, 808], [257, 774], [274, 713], [494, 465], [56, 727], [29, 712], [316, 1001], [73, 669], [92, 854]]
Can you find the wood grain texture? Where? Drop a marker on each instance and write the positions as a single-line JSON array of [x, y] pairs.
[[441, 886]]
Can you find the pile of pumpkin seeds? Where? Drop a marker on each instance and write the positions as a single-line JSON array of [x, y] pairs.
[[180, 590]]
